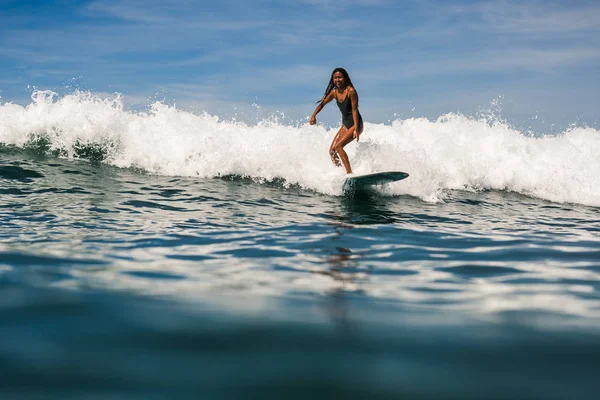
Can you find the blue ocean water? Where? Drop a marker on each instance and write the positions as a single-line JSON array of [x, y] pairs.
[[172, 255]]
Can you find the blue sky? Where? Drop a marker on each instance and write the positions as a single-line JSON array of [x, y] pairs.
[[539, 59]]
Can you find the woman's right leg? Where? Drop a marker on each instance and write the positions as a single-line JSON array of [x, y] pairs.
[[332, 152], [346, 137]]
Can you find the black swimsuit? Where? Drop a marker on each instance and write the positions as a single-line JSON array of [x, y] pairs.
[[346, 109]]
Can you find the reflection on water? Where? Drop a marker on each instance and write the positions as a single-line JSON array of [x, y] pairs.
[[342, 268], [367, 207]]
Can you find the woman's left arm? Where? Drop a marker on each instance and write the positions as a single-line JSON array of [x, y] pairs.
[[354, 100]]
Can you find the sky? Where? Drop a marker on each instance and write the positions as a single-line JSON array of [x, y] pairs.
[[530, 62]]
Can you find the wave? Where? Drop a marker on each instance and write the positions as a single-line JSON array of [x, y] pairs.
[[452, 152]]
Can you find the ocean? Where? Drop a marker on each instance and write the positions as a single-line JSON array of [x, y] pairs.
[[165, 253]]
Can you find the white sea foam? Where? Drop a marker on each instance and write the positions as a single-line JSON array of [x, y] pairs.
[[452, 152]]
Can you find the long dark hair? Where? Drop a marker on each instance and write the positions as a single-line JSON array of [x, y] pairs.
[[331, 85]]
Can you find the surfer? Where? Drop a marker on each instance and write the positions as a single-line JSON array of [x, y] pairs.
[[341, 88]]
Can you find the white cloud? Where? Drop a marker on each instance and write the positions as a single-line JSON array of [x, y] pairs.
[[346, 3], [132, 10], [537, 17], [491, 61]]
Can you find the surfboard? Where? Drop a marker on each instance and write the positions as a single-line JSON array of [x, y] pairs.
[[357, 182]]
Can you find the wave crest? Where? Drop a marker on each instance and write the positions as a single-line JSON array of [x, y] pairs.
[[452, 152]]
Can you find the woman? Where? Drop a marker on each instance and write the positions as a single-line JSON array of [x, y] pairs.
[[341, 87]]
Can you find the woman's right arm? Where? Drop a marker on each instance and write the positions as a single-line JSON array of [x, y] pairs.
[[313, 119]]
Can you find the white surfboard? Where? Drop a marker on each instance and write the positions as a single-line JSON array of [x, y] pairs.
[[357, 182]]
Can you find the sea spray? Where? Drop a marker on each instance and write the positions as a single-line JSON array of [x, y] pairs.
[[454, 152]]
